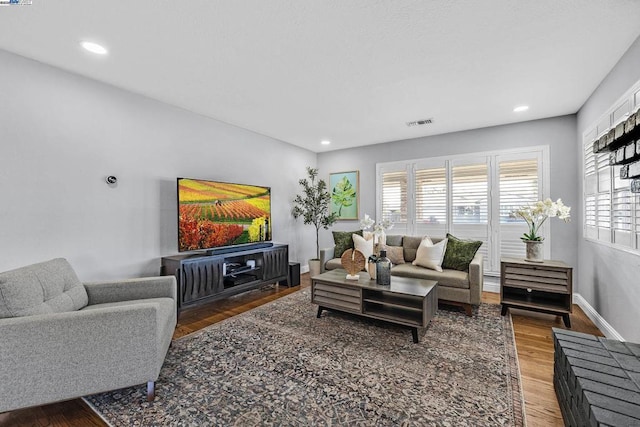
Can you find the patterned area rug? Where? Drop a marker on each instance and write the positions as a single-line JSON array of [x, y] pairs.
[[280, 365]]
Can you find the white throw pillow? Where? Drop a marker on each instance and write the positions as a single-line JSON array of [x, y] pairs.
[[365, 246], [430, 255]]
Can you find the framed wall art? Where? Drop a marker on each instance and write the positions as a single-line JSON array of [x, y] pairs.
[[345, 194]]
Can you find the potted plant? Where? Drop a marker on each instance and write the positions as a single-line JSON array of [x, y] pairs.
[[313, 207], [535, 216]]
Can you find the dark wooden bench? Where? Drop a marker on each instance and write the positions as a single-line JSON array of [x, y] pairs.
[[597, 380]]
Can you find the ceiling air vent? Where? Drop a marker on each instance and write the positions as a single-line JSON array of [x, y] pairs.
[[420, 122]]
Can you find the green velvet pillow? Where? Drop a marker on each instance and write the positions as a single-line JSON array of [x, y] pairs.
[[459, 253], [343, 241]]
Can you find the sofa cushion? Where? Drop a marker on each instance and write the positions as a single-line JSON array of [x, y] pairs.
[[459, 253], [394, 240], [410, 245], [343, 241], [47, 287], [430, 255], [447, 278]]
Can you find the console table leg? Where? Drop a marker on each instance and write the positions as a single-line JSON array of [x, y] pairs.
[[504, 310], [567, 320], [319, 312], [414, 332]]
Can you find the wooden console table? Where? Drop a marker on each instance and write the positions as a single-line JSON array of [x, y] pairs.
[[538, 286], [408, 302]]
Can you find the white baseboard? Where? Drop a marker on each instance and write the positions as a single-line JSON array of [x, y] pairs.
[[304, 268], [490, 287], [491, 284], [596, 318]]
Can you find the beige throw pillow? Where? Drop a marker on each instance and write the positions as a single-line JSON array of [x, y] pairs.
[[429, 255], [395, 254], [365, 246]]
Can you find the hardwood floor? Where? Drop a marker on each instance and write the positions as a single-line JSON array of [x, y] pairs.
[[533, 341], [535, 356]]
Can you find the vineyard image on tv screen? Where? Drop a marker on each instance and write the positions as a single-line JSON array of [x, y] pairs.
[[212, 214]]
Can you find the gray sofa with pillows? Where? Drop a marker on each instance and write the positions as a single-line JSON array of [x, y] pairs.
[[461, 286], [62, 339]]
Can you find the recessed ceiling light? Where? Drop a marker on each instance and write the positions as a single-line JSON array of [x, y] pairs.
[[94, 48], [325, 142], [521, 108]]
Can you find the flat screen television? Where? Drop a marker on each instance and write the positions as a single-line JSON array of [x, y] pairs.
[[214, 214]]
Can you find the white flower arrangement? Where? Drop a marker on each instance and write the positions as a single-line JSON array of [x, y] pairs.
[[378, 228], [367, 222], [538, 213]]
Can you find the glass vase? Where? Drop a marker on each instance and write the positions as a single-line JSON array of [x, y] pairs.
[[383, 269]]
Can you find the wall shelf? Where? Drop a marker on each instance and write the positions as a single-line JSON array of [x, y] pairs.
[[619, 136]]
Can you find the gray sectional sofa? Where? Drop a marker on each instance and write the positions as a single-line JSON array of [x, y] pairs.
[[462, 288], [62, 339]]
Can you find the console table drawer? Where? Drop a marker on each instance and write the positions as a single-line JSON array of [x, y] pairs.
[[538, 274], [537, 278], [347, 299]]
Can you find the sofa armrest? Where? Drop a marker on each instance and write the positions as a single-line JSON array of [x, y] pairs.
[[476, 278], [67, 355], [131, 289], [325, 255]]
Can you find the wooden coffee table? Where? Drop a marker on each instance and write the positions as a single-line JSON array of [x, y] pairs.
[[407, 301]]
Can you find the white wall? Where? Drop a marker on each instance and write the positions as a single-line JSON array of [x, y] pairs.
[[607, 277], [62, 134], [558, 133]]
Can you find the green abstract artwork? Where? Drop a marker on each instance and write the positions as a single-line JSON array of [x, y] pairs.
[[344, 187]]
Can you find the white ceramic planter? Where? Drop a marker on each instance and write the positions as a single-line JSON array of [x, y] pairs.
[[314, 267], [534, 251]]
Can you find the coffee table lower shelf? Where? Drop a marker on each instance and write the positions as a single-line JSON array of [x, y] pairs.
[[407, 302], [416, 331]]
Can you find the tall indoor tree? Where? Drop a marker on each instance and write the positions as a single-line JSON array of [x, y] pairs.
[[313, 206]]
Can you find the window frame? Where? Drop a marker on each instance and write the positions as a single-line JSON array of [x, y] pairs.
[[492, 159], [607, 230]]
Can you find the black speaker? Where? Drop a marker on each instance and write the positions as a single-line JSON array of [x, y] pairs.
[[294, 274]]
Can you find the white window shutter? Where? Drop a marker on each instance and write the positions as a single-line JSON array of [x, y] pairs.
[[431, 201], [470, 204], [519, 186], [394, 198], [469, 188]]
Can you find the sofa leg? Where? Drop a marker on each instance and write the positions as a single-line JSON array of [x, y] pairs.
[[468, 309], [151, 391]]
